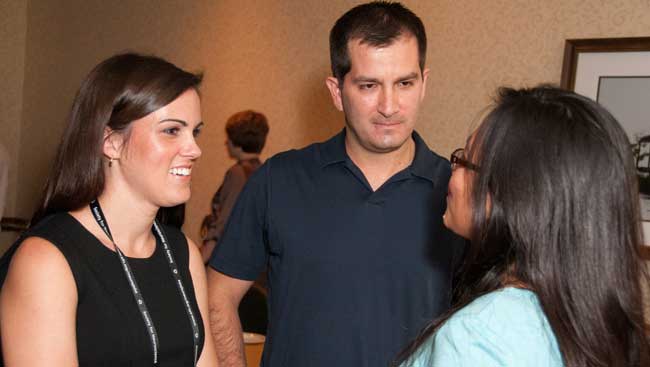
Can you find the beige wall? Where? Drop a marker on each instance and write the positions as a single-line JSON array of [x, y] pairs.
[[13, 31], [273, 56]]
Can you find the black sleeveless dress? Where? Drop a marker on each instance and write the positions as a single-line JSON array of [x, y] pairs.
[[110, 329]]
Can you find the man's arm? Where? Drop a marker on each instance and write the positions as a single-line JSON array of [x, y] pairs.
[[224, 294]]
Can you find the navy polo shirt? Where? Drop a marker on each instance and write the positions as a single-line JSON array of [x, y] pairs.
[[353, 274]]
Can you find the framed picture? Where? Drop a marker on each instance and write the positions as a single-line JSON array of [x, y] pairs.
[[616, 73]]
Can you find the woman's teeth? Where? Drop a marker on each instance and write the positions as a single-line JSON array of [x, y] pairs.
[[180, 171]]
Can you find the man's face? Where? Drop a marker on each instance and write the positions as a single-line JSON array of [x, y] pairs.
[[380, 95]]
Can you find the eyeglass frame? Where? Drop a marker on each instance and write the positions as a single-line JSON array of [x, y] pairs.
[[457, 159]]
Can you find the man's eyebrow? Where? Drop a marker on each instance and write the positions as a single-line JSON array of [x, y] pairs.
[[410, 76], [364, 79], [367, 79], [173, 120]]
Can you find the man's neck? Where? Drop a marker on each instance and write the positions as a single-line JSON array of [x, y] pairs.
[[378, 167]]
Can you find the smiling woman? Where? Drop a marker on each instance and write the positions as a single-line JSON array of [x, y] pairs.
[[156, 158], [95, 269]]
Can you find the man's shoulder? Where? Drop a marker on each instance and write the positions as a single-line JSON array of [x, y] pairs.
[[430, 164], [310, 154], [434, 158], [439, 165]]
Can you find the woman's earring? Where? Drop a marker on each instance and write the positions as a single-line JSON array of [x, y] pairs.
[[110, 161]]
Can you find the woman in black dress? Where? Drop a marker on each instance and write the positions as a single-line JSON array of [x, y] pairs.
[[96, 280]]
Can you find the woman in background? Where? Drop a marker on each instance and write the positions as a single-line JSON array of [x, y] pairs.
[[547, 193], [95, 280], [246, 131]]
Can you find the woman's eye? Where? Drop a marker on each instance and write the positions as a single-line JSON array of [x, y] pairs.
[[172, 131], [196, 132]]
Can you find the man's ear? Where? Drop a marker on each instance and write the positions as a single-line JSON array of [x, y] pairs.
[[425, 78], [113, 143], [333, 86]]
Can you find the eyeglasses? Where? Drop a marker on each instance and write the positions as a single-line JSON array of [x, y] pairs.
[[458, 159]]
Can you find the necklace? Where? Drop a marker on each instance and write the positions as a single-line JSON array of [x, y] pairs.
[[135, 289]]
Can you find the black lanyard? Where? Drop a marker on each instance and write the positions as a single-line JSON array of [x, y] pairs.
[[151, 328]]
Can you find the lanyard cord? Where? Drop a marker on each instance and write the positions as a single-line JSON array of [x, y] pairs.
[[135, 289]]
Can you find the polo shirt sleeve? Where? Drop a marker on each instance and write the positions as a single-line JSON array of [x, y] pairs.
[[242, 250]]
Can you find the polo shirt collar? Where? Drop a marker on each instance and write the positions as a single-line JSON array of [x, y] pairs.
[[423, 165], [333, 150]]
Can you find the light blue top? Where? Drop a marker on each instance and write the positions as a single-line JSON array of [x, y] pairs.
[[502, 328]]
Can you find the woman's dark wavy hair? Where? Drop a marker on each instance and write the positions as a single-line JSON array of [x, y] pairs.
[[119, 90], [558, 172]]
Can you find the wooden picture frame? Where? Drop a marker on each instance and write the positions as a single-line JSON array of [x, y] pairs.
[[574, 47]]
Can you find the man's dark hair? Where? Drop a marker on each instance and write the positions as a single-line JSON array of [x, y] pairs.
[[248, 130], [377, 24]]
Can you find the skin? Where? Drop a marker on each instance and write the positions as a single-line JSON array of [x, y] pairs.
[[458, 215], [38, 309], [157, 143], [225, 295], [380, 97]]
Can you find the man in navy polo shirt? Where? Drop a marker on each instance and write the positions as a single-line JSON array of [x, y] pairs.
[[351, 228]]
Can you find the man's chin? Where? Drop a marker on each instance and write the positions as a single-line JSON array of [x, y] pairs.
[[389, 143], [386, 148]]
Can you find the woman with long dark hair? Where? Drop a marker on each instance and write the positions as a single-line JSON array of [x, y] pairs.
[[546, 192], [96, 280]]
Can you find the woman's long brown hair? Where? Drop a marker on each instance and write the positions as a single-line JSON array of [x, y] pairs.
[[116, 92]]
